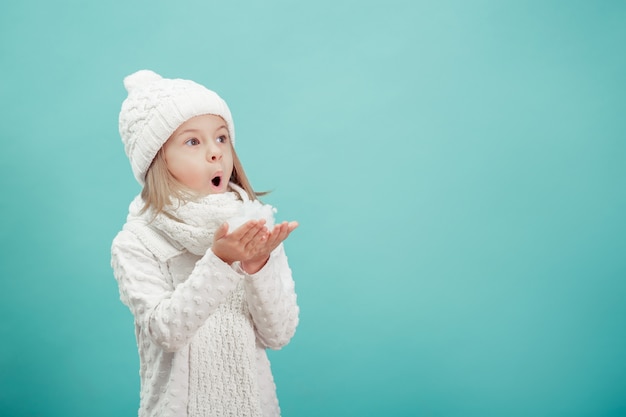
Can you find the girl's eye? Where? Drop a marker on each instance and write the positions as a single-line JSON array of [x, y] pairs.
[[192, 142], [222, 139]]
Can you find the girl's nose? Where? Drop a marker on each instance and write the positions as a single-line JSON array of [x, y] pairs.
[[214, 154]]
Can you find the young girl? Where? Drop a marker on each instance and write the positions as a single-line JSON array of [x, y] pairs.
[[208, 298]]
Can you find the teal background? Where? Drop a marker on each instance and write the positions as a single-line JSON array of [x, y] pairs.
[[457, 167]]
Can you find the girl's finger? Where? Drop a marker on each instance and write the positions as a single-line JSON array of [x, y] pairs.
[[254, 227], [283, 231], [257, 240], [276, 237], [242, 230], [221, 232]]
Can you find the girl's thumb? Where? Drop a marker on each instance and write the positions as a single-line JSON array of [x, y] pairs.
[[221, 231]]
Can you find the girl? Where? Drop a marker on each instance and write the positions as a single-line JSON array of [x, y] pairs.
[[207, 298]]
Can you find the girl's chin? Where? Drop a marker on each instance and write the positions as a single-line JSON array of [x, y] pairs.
[[212, 190]]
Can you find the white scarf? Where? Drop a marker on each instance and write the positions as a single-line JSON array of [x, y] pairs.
[[198, 220]]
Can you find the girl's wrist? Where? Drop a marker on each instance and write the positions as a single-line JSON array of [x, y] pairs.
[[221, 257], [253, 266]]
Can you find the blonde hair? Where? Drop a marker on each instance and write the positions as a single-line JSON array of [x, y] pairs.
[[161, 187]]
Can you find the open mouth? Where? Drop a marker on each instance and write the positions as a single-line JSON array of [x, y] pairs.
[[216, 181]]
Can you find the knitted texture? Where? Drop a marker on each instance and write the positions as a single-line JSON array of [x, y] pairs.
[[205, 215], [202, 326], [155, 108], [223, 376]]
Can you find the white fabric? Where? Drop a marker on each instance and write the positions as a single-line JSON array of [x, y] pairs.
[[202, 326], [201, 220], [205, 215]]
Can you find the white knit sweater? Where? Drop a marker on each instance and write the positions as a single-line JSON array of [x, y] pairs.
[[202, 326]]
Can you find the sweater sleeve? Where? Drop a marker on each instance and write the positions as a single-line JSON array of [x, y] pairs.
[[170, 316], [272, 301]]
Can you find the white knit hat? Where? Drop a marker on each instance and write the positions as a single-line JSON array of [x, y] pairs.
[[155, 108]]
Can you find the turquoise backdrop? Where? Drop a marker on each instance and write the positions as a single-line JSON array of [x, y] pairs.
[[458, 169]]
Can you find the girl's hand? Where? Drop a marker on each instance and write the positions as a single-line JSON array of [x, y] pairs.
[[246, 242], [279, 234]]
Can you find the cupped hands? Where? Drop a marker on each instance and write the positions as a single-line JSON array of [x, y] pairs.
[[250, 244]]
